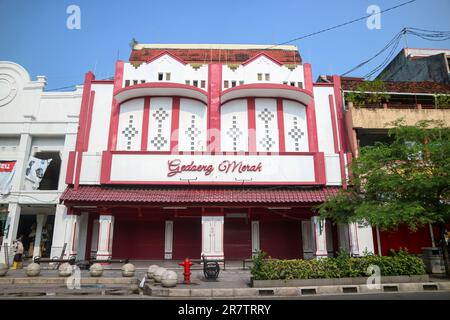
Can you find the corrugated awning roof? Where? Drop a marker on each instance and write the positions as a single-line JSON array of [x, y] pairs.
[[195, 195]]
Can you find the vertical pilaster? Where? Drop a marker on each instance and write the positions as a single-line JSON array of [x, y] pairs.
[[71, 235], [168, 241], [255, 237], [212, 236], [353, 239], [319, 232], [105, 236], [11, 227]]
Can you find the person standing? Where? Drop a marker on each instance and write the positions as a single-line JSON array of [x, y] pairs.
[[18, 253]]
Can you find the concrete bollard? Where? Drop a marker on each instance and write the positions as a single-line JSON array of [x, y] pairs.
[[128, 270], [96, 270], [3, 269], [33, 270], [151, 271], [158, 274], [65, 270], [169, 279]]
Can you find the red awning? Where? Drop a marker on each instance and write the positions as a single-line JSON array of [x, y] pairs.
[[195, 195]]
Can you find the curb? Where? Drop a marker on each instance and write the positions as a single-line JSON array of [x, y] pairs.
[[62, 281], [296, 291]]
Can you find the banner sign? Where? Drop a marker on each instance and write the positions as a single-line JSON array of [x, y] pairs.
[[6, 176]]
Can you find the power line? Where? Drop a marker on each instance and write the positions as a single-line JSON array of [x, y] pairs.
[[431, 35], [342, 24]]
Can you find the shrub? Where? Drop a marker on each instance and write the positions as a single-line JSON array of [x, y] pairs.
[[399, 263]]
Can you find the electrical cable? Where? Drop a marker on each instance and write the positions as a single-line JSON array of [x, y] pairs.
[[341, 25]]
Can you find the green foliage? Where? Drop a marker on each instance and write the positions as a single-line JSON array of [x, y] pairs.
[[400, 263], [443, 101], [368, 93], [405, 182]]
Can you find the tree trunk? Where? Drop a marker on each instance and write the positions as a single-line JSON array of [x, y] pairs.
[[444, 249]]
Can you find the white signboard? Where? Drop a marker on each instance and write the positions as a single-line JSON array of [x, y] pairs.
[[212, 168]]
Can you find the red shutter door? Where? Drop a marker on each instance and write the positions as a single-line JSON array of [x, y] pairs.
[[138, 239], [187, 239], [404, 238], [281, 239], [237, 239]]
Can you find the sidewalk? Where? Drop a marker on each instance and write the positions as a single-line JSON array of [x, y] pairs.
[[232, 282]]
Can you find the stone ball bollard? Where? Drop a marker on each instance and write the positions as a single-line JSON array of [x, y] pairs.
[[128, 270], [151, 271], [33, 269], [169, 279], [65, 270], [158, 274], [96, 270], [3, 269]]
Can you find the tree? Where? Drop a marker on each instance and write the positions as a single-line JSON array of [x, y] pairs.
[[404, 182]]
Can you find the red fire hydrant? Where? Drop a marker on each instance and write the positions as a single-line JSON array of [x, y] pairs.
[[187, 270]]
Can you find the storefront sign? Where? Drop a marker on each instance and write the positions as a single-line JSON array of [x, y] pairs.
[[141, 168]]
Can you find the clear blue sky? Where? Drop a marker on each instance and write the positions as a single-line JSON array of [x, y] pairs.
[[34, 33]]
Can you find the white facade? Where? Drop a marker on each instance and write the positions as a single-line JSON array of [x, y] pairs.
[[41, 124]]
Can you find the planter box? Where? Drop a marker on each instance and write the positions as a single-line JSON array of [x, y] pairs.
[[334, 281]]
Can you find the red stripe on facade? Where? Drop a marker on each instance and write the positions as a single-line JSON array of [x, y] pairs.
[[175, 124], [70, 167], [319, 168], [83, 123], [310, 110], [214, 92], [145, 123], [251, 124], [339, 113], [342, 166], [89, 122], [115, 108], [280, 117], [333, 124], [105, 173]]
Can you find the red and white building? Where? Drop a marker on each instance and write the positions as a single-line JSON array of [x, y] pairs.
[[219, 150]]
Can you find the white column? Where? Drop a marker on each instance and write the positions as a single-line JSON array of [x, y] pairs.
[[12, 224], [212, 236], [40, 220], [319, 231], [353, 239], [71, 235], [168, 241], [59, 230], [255, 237], [105, 236]]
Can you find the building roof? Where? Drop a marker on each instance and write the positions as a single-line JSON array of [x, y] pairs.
[[350, 83], [206, 53], [195, 195]]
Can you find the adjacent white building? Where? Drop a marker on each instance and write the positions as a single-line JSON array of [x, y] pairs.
[[43, 125]]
